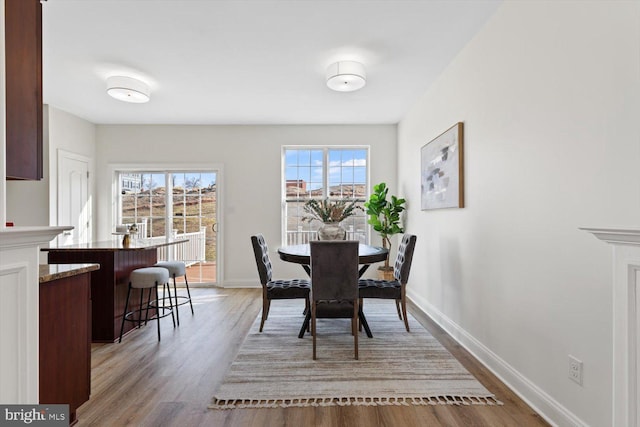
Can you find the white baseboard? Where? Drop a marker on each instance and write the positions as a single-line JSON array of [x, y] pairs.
[[240, 284], [547, 407]]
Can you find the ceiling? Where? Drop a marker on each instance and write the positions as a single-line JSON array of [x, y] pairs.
[[250, 62]]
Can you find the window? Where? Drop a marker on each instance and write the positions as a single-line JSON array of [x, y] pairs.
[[177, 203], [320, 173]]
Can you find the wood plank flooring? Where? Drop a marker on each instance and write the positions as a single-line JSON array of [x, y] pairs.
[[141, 382]]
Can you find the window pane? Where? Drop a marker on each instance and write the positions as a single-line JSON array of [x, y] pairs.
[[142, 205], [178, 183], [156, 227], [157, 206], [360, 175], [192, 206], [304, 158], [192, 183]]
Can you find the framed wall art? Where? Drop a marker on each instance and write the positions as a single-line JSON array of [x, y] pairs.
[[441, 180]]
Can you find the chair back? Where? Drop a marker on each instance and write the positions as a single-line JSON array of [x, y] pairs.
[[334, 270], [402, 266], [261, 252]]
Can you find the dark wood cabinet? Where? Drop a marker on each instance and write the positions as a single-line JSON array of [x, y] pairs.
[[23, 61], [65, 342]]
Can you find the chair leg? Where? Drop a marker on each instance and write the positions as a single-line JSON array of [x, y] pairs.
[[186, 283], [126, 305], [313, 328], [353, 321], [307, 307], [265, 311], [404, 312], [175, 297], [360, 300], [398, 308]]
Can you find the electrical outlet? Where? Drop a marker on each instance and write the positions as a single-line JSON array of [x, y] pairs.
[[575, 370]]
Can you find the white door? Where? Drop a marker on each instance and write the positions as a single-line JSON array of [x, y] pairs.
[[74, 207]]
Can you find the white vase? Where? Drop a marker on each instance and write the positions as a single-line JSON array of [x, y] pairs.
[[331, 231]]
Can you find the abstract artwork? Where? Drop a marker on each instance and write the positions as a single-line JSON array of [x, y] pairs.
[[442, 170]]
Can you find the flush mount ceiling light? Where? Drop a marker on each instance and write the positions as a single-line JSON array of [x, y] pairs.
[[346, 76], [128, 89]]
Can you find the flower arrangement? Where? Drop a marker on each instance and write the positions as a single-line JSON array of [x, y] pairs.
[[327, 211]]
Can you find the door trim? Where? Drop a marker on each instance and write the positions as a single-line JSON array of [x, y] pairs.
[[89, 161]]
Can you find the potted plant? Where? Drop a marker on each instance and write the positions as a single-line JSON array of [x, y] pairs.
[[384, 216], [330, 214]]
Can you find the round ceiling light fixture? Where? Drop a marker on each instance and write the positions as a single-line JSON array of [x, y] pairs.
[[128, 89], [346, 76]]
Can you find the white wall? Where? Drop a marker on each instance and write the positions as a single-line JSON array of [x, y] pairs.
[[251, 160], [549, 93], [71, 134]]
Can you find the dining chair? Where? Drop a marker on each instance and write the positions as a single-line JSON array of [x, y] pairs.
[[275, 289], [334, 284], [393, 289]]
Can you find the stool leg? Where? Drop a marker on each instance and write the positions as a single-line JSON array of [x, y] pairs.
[[126, 305], [175, 295], [140, 310], [158, 314], [146, 314], [186, 283], [168, 287]]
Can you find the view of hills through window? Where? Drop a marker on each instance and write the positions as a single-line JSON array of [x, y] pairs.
[[188, 209], [323, 173]]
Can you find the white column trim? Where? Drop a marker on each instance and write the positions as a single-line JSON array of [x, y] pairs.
[[625, 283]]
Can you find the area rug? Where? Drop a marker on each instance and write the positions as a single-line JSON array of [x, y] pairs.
[[395, 367]]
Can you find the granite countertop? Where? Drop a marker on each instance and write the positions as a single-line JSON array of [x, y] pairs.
[[50, 272], [116, 245]]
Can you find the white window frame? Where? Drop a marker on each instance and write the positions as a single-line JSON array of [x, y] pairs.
[[325, 178]]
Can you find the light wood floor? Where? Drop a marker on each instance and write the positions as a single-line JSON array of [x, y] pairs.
[[141, 382]]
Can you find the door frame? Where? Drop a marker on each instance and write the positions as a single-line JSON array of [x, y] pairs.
[[60, 154], [218, 168]]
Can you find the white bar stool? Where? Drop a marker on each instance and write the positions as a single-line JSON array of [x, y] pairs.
[[147, 278], [177, 268]]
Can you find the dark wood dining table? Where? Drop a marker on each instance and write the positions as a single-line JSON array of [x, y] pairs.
[[301, 254]]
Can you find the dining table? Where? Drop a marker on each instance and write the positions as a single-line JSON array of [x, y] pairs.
[[301, 254]]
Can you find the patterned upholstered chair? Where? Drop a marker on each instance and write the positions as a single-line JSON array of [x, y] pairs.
[[334, 284], [393, 289], [275, 289]]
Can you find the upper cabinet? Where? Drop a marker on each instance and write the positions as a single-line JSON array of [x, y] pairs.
[[23, 51]]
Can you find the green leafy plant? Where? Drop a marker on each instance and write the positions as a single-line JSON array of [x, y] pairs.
[[384, 215], [329, 211]]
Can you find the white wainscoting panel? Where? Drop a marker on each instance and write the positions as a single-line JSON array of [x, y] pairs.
[[19, 290], [625, 282]]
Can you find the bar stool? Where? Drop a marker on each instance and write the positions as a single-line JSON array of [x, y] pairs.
[[148, 278], [177, 268]]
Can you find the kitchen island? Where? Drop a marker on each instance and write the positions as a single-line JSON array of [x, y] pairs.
[[65, 335], [109, 284]]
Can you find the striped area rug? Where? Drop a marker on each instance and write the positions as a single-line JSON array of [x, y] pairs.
[[275, 368]]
